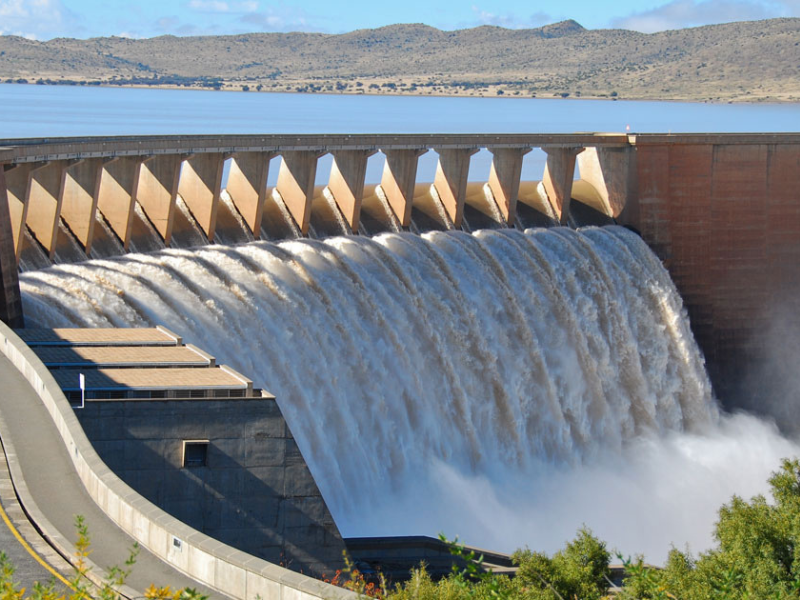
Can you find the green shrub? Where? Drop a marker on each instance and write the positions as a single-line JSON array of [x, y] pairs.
[[80, 586]]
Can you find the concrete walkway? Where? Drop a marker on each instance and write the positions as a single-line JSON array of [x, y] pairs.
[[28, 432]]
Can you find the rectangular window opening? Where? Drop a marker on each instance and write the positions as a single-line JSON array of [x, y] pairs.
[[195, 453]]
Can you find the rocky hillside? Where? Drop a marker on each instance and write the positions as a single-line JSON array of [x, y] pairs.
[[735, 61]]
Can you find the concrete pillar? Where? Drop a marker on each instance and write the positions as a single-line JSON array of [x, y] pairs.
[[504, 179], [158, 190], [559, 173], [296, 184], [346, 183], [450, 182], [17, 179], [119, 182], [399, 179], [10, 302], [200, 185], [247, 186], [44, 202], [610, 171], [79, 196]]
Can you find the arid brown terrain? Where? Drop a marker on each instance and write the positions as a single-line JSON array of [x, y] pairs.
[[747, 61]]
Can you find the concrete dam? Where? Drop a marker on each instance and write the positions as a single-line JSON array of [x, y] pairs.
[[462, 334]]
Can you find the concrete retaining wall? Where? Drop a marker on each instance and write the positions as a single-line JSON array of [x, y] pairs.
[[207, 560], [255, 491]]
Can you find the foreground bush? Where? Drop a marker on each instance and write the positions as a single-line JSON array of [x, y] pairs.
[[757, 556], [79, 587]]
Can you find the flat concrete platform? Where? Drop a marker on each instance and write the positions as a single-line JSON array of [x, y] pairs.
[[151, 379], [59, 494], [145, 336], [122, 356]]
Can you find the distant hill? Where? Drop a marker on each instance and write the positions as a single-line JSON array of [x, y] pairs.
[[736, 61]]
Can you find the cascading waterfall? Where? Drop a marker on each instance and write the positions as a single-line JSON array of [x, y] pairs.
[[417, 372]]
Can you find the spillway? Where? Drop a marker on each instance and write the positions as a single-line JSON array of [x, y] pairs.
[[491, 354]]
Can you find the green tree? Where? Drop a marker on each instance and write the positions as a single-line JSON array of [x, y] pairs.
[[579, 571], [757, 554]]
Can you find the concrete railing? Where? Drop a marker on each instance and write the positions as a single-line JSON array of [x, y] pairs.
[[73, 180], [206, 560], [50, 181]]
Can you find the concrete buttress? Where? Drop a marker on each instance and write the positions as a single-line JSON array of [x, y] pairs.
[[296, 184], [158, 190], [450, 182], [10, 302], [398, 181], [609, 170], [79, 198], [504, 179], [119, 182], [200, 186], [17, 180], [44, 202], [346, 183], [559, 173], [247, 186]]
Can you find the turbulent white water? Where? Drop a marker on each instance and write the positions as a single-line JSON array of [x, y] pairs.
[[503, 386]]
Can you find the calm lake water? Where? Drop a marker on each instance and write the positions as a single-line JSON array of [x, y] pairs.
[[50, 111]]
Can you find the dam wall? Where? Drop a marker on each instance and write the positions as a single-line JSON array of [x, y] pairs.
[[720, 210], [723, 214]]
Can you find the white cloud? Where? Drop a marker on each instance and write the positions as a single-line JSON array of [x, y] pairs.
[[209, 5], [24, 34], [787, 8], [167, 24], [510, 21], [282, 18], [220, 6], [13, 9], [678, 14], [35, 19], [229, 17]]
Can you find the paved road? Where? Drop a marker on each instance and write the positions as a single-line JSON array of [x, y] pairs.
[[59, 493], [32, 557]]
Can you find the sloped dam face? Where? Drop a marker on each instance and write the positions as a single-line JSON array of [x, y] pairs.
[[502, 386]]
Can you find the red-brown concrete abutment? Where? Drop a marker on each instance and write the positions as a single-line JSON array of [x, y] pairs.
[[723, 214]]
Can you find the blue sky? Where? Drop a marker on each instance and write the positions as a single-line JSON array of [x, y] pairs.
[[45, 19]]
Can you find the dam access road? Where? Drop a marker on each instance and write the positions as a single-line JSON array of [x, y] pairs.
[[38, 458]]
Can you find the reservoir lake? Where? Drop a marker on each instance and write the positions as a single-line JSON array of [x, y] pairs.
[[57, 111]]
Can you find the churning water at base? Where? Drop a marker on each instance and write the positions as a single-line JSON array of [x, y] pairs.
[[503, 386]]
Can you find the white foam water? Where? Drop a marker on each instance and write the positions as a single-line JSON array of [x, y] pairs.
[[503, 386]]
